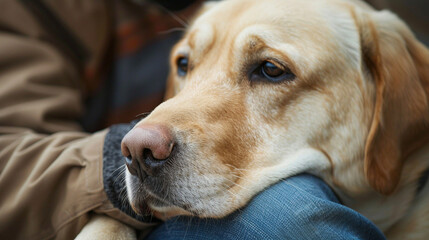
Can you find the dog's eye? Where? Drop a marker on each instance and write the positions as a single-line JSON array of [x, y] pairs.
[[182, 66], [272, 72]]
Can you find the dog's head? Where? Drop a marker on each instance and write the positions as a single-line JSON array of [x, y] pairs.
[[267, 89]]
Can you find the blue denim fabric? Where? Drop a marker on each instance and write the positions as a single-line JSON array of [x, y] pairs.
[[300, 207]]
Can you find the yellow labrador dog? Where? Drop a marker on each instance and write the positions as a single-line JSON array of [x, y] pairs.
[[264, 90]]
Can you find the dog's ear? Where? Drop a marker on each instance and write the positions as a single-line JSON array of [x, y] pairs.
[[399, 66]]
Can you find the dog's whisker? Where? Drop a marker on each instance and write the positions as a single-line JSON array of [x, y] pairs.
[[245, 179], [123, 196], [173, 30], [236, 184], [117, 169], [236, 197], [235, 168], [174, 16], [142, 115], [120, 176], [233, 194]]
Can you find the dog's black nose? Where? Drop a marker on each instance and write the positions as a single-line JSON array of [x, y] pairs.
[[147, 148]]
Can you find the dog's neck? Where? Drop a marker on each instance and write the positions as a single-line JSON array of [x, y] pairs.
[[352, 188]]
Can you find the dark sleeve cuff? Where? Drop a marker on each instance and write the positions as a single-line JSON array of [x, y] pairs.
[[113, 173]]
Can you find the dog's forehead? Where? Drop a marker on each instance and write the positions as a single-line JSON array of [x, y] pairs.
[[230, 17], [306, 28]]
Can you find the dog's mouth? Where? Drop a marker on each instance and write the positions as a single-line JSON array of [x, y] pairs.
[[183, 190], [155, 203], [156, 200], [147, 193]]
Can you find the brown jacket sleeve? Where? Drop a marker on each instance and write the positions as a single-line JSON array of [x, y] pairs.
[[50, 171]]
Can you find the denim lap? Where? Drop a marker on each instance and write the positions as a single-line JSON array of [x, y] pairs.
[[300, 207]]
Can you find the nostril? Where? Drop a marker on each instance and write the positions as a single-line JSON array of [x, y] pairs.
[[151, 161], [129, 159], [130, 165], [147, 154]]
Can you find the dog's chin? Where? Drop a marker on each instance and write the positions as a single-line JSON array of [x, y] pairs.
[[209, 199], [153, 205], [164, 212], [144, 202], [163, 209]]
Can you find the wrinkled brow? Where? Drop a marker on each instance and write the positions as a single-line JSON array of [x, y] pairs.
[[202, 37], [257, 40]]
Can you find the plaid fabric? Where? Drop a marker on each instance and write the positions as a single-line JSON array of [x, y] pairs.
[[136, 81]]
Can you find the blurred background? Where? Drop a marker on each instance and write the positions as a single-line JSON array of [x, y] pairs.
[[121, 47], [165, 28], [414, 12]]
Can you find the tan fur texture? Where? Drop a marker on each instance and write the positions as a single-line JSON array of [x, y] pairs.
[[101, 227], [356, 114]]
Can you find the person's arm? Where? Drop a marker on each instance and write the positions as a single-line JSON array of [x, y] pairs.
[[50, 171], [46, 161]]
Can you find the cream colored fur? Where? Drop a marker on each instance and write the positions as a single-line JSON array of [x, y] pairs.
[[355, 115], [102, 227]]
